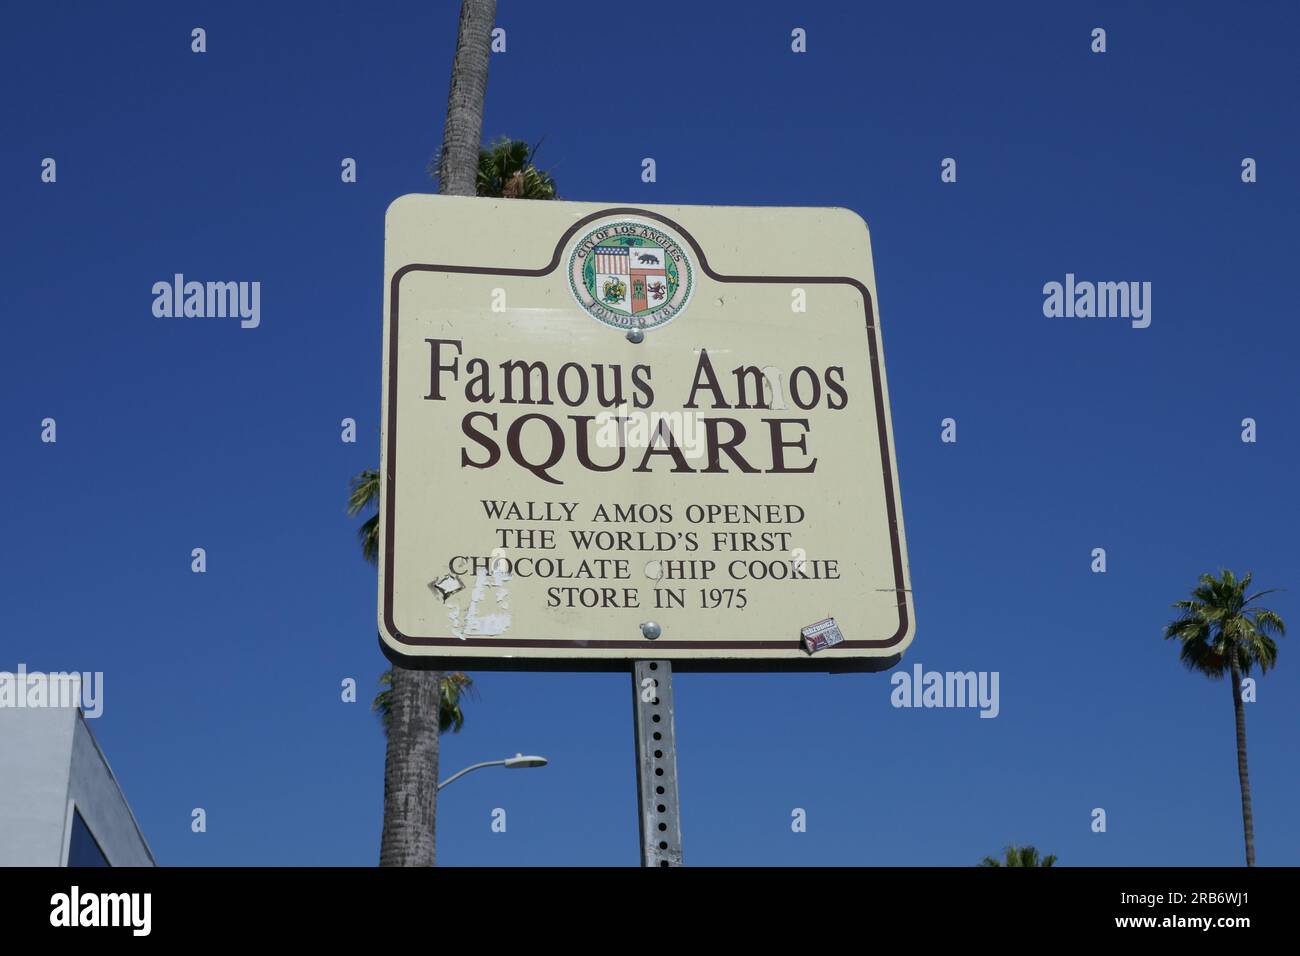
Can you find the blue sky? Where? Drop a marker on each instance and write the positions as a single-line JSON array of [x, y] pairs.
[[222, 689]]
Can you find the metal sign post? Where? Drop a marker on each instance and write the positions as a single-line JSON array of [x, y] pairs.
[[656, 763]]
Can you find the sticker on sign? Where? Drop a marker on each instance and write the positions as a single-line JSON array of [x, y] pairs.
[[613, 433]]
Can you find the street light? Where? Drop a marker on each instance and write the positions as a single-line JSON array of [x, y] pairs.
[[518, 760]]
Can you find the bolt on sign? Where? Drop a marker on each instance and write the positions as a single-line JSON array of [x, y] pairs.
[[616, 432]]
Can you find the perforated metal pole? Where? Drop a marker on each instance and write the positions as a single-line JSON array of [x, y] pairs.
[[656, 763]]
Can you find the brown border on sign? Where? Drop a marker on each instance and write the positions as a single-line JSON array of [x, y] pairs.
[[814, 662]]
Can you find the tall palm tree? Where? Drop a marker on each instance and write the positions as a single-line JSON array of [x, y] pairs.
[[419, 690], [411, 761], [1020, 856], [1223, 631]]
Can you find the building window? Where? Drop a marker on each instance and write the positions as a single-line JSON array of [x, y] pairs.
[[84, 849]]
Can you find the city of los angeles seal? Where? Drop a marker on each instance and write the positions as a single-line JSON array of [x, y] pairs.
[[630, 274]]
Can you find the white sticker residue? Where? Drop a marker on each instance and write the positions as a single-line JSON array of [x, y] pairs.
[[476, 624]]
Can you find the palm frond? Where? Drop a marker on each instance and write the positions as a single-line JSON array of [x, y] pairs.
[[1268, 622], [363, 491], [368, 535], [451, 688], [506, 169], [1019, 856]]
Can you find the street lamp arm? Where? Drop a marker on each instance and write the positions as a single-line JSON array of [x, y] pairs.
[[460, 773]]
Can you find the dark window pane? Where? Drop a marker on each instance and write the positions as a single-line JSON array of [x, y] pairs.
[[84, 850]]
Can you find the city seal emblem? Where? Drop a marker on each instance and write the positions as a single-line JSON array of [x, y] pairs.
[[630, 275]]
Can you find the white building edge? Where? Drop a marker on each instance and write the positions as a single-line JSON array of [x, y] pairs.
[[60, 804]]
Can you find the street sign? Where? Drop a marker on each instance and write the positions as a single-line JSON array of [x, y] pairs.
[[614, 433]]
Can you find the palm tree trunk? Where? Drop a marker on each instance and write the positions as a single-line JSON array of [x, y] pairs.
[[411, 771], [411, 763], [1243, 775], [463, 132]]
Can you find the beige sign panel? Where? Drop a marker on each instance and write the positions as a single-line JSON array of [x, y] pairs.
[[617, 432]]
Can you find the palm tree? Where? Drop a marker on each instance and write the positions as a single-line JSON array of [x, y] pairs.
[[1223, 631], [411, 761], [1020, 856], [409, 765]]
